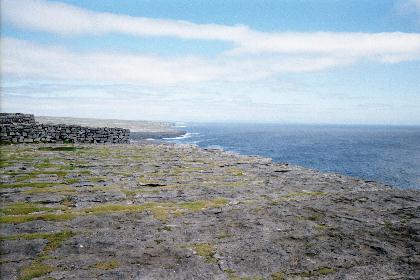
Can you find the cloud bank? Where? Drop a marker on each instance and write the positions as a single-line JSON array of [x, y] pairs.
[[409, 6], [253, 54], [28, 60], [69, 20]]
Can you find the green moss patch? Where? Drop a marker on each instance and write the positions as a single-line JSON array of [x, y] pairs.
[[17, 219], [4, 163], [107, 265], [205, 250], [231, 274], [160, 211], [29, 185], [54, 239], [70, 181], [278, 276], [236, 171], [35, 269], [203, 204], [321, 226], [21, 208], [59, 189]]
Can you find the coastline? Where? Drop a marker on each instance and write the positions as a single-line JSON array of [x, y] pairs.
[[169, 211], [139, 130], [159, 135], [389, 156]]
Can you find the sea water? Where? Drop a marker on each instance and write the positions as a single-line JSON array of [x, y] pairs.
[[387, 154]]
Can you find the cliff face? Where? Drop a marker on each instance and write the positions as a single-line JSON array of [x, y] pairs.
[[135, 211], [22, 128]]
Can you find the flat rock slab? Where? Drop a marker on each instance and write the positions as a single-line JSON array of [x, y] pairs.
[[162, 211]]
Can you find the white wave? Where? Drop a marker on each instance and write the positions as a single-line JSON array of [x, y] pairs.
[[186, 135], [215, 147]]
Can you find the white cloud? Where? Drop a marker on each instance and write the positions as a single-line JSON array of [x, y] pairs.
[[69, 20], [369, 45], [253, 56], [31, 60], [28, 60], [409, 6]]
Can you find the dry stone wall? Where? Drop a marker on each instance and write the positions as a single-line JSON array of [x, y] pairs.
[[22, 128], [6, 118]]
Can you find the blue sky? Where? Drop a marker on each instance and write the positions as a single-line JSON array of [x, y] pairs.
[[341, 62]]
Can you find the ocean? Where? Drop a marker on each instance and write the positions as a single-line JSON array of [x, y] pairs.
[[386, 154]]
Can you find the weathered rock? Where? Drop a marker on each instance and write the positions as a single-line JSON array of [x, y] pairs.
[[179, 212]]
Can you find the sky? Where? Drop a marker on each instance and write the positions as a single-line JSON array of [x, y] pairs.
[[280, 61]]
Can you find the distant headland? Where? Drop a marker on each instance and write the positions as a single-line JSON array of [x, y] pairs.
[[26, 128]]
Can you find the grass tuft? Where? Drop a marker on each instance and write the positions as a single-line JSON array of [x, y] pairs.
[[35, 269], [108, 265], [325, 270], [160, 211], [32, 217], [70, 181], [205, 250], [29, 185], [231, 274], [54, 239], [278, 276], [203, 204], [59, 189], [321, 226], [22, 208]]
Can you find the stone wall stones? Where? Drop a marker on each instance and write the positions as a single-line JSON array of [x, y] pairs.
[[22, 128], [10, 118]]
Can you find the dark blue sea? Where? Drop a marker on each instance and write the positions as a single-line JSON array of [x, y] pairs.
[[390, 155]]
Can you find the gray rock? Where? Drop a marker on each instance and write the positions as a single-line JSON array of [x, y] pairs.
[[148, 211]]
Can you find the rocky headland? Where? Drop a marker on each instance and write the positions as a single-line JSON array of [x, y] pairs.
[[162, 211], [139, 130]]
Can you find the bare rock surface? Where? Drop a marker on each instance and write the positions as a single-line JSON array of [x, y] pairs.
[[161, 211]]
